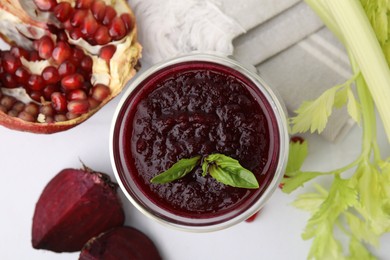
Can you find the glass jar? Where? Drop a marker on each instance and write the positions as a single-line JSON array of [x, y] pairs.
[[124, 145]]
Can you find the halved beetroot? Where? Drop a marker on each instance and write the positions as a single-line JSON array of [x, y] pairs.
[[120, 243], [75, 206], [68, 58]]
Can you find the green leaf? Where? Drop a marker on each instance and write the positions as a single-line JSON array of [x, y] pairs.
[[324, 245], [340, 198], [177, 171], [353, 107], [311, 201], [313, 115], [341, 97], [361, 229], [358, 251], [296, 157], [297, 180], [372, 186], [229, 171]]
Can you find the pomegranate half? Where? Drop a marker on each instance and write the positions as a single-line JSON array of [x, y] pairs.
[[67, 59]]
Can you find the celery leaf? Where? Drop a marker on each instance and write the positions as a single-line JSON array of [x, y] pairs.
[[297, 180], [358, 251], [313, 115], [353, 107], [296, 157]]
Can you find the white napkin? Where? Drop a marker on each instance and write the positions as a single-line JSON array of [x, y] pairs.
[[285, 40]]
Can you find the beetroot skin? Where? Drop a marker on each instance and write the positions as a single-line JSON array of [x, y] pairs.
[[120, 243], [75, 206]]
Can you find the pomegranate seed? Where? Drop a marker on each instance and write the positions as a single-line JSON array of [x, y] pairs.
[[63, 11], [46, 110], [45, 5], [26, 116], [71, 116], [72, 82], [58, 102], [87, 87], [34, 56], [77, 94], [109, 14], [86, 64], [102, 36], [60, 118], [35, 82], [107, 52], [100, 92], [18, 106], [10, 62], [78, 107], [49, 90], [3, 109], [7, 101], [9, 80], [129, 24], [50, 75], [13, 113], [22, 75], [32, 109], [49, 119], [93, 103], [45, 47], [77, 56], [36, 95], [78, 17], [83, 4], [67, 25], [75, 33], [98, 9], [62, 36], [19, 52], [117, 29], [61, 52], [90, 25], [66, 68]]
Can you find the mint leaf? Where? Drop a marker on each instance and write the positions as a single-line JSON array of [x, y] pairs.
[[229, 171], [177, 171]]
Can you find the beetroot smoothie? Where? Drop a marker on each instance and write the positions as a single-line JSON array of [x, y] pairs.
[[198, 108]]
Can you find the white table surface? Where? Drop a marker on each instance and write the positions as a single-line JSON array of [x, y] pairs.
[[29, 161]]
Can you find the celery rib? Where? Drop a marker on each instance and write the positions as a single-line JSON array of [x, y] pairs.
[[361, 40]]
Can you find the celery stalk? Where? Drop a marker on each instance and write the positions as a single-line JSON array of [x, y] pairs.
[[361, 40]]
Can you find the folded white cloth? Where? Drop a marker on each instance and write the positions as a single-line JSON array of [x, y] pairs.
[[285, 40]]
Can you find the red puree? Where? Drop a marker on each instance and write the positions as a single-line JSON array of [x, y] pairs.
[[199, 108]]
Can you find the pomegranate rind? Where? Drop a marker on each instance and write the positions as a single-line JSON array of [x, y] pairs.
[[73, 207], [115, 74], [120, 243]]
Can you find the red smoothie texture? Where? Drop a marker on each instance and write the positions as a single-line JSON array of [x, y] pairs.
[[199, 108]]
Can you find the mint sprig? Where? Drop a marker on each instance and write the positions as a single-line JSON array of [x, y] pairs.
[[229, 171], [177, 171], [221, 167]]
